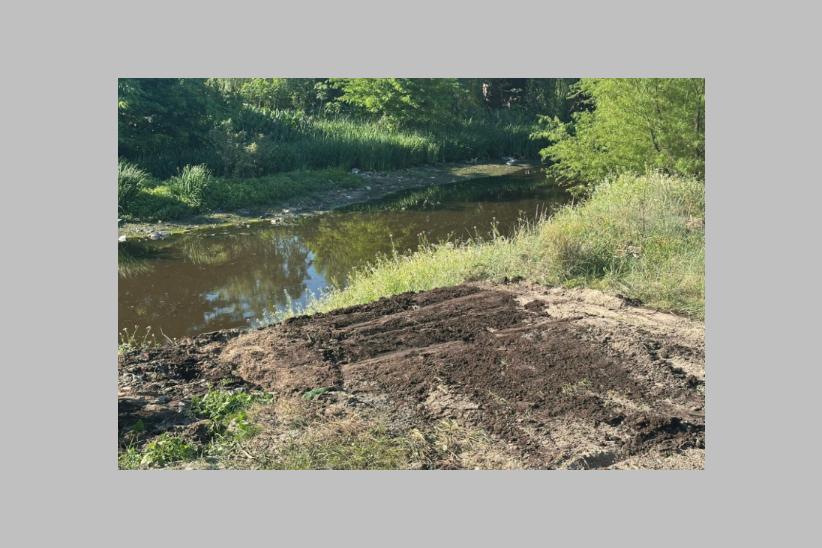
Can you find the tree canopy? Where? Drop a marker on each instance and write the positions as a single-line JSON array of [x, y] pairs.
[[629, 125]]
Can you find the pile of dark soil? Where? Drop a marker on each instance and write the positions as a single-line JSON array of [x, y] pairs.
[[558, 378]]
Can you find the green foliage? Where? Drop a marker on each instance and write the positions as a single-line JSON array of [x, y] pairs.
[[196, 191], [163, 450], [248, 127], [303, 94], [130, 181], [163, 122], [227, 412], [631, 125], [156, 204], [191, 185], [219, 405], [129, 459], [641, 236], [638, 235], [402, 101], [264, 191]]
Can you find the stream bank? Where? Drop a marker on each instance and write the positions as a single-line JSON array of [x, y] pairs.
[[375, 185]]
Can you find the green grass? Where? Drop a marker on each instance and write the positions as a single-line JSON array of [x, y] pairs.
[[637, 235], [370, 449], [260, 142], [226, 413], [130, 181], [270, 156], [348, 143], [196, 191]]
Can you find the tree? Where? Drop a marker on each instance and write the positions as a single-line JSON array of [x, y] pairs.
[[633, 124], [402, 101], [163, 122], [300, 94]]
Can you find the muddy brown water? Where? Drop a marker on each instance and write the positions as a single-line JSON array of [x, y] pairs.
[[229, 278]]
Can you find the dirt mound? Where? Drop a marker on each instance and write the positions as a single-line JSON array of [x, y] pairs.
[[558, 378], [156, 386]]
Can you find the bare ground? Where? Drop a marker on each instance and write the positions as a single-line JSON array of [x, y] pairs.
[[472, 376]]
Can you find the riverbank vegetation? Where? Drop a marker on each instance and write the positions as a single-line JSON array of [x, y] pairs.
[[632, 150], [635, 157], [196, 190], [628, 125], [243, 132], [641, 236]]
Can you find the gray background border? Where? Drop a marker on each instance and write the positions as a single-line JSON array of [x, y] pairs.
[[59, 135]]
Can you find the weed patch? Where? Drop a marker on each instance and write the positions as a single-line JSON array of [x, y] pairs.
[[228, 412], [165, 449]]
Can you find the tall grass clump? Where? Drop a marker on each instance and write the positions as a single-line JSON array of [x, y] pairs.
[[641, 236], [130, 181], [191, 186]]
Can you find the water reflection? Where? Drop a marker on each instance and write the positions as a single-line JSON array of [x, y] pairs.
[[212, 280]]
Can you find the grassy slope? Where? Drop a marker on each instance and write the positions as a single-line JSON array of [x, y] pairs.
[[640, 236]]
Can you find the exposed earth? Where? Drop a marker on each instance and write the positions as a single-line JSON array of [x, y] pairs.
[[473, 376]]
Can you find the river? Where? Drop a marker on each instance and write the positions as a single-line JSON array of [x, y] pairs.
[[223, 278]]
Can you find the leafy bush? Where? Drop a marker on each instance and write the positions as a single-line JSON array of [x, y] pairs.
[[403, 101], [635, 124]]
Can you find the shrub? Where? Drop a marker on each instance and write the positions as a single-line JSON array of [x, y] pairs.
[[635, 124]]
